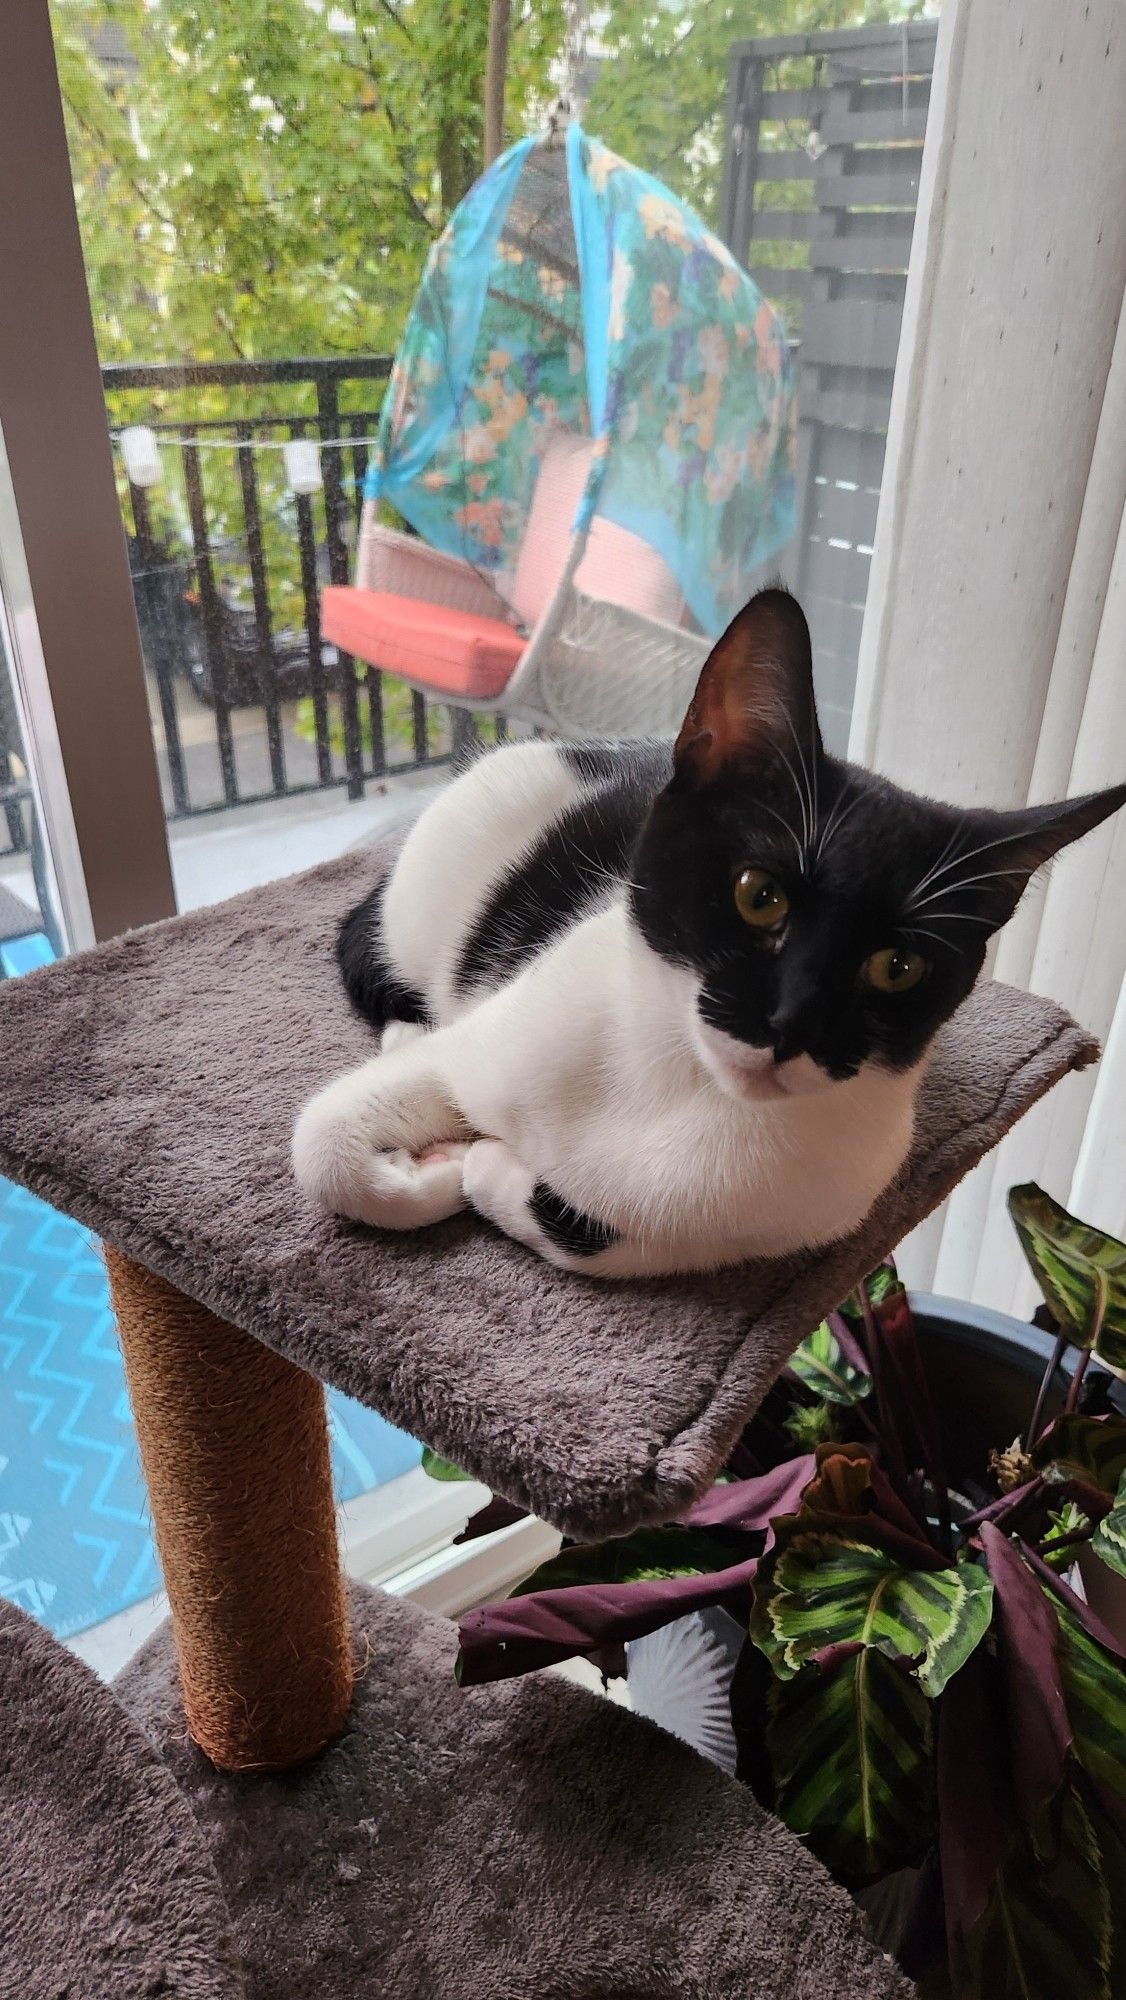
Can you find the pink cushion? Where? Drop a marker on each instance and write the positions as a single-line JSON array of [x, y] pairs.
[[456, 652], [617, 566]]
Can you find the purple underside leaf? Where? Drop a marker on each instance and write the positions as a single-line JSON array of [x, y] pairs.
[[500, 1641], [1008, 1507], [976, 1814], [1026, 1631], [1090, 1621], [754, 1503], [908, 1385], [854, 1496]]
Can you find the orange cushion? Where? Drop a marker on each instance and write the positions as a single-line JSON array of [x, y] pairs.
[[456, 652]]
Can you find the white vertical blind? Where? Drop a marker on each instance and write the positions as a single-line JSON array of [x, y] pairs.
[[993, 660]]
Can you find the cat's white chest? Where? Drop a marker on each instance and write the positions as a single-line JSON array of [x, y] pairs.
[[583, 1068]]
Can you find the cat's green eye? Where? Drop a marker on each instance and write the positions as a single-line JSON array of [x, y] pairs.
[[895, 970], [760, 900]]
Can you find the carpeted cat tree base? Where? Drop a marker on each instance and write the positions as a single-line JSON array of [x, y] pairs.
[[521, 1842], [400, 1836], [107, 1891]]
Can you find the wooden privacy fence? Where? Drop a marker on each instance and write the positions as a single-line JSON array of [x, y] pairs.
[[821, 176]]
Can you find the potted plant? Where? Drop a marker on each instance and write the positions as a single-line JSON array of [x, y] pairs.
[[896, 1622]]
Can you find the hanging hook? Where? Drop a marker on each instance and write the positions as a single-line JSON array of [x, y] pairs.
[[569, 101]]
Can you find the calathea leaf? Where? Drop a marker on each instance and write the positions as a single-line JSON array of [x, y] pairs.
[[850, 1754], [440, 1468], [821, 1365], [1090, 1448], [1094, 1692], [884, 1280], [663, 1579], [1047, 1929], [1109, 1538], [857, 1498], [1111, 1836], [1026, 1638], [1065, 1524], [822, 1589], [1081, 1272], [643, 1557], [754, 1503]]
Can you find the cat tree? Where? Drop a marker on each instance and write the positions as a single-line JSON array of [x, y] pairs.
[[358, 1825]]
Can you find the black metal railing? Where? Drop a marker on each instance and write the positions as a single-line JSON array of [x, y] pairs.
[[249, 701]]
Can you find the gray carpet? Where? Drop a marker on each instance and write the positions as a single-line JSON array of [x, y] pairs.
[[524, 1842], [106, 1889], [149, 1089]]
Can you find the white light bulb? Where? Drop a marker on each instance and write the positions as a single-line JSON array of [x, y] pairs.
[[302, 465], [141, 455]]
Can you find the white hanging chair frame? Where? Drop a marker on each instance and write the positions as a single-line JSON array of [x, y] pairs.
[[589, 668]]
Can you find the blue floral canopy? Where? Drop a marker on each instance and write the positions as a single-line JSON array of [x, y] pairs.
[[572, 292]]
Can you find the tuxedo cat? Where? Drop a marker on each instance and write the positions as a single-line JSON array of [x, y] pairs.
[[654, 1008]]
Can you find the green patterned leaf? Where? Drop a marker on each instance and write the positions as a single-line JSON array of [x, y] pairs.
[[440, 1468], [1047, 1930], [1064, 1525], [1094, 1692], [1090, 1448], [818, 1590], [1109, 1538], [1081, 1272], [820, 1365], [851, 1758], [643, 1557], [881, 1282]]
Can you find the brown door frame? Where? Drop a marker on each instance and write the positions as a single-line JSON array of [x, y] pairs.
[[74, 560]]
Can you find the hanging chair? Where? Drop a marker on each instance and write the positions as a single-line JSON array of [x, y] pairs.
[[589, 427]]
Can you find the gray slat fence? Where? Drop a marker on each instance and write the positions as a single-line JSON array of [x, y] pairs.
[[821, 177]]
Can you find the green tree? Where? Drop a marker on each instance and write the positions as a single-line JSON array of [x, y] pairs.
[[660, 96], [265, 179]]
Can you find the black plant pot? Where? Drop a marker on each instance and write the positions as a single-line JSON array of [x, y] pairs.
[[984, 1369]]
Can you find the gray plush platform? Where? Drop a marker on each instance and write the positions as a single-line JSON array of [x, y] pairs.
[[106, 1889], [524, 1842], [149, 1088]]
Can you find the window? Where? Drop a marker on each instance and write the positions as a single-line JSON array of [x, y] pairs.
[[257, 190]]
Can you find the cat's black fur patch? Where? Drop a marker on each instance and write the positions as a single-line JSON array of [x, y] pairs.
[[577, 1234], [593, 761], [374, 992], [583, 853]]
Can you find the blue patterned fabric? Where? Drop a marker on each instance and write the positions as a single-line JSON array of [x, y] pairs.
[[665, 353], [74, 1534]]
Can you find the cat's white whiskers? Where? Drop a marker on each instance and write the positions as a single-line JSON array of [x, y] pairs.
[[963, 860], [946, 855], [807, 831], [963, 882], [837, 819], [810, 780], [920, 930], [786, 828]]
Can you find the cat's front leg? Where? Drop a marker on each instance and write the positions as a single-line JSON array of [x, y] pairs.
[[501, 1188], [385, 1143]]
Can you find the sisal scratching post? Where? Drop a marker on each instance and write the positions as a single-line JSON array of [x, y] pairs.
[[234, 1446]]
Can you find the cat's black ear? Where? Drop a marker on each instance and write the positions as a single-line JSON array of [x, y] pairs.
[[756, 690], [1016, 844]]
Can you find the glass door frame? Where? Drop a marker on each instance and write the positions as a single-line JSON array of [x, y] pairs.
[[64, 570]]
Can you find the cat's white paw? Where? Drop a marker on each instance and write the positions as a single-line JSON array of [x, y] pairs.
[[499, 1186], [397, 1034], [342, 1172]]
